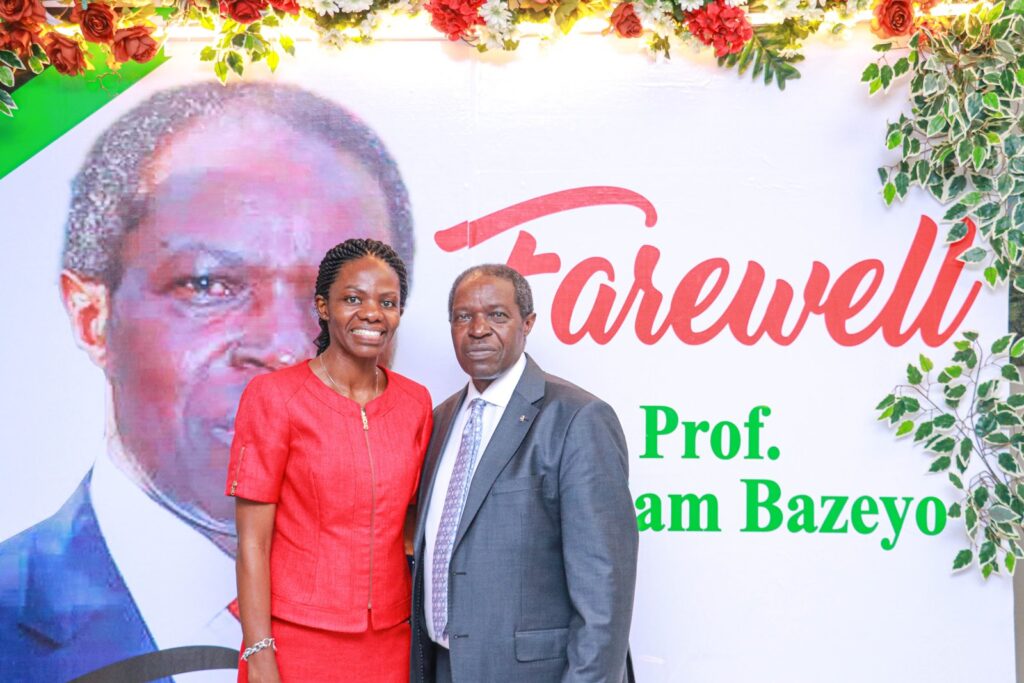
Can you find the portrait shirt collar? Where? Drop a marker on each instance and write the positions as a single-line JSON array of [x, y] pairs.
[[499, 391], [180, 581]]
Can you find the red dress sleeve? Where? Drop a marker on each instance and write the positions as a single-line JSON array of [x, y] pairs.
[[259, 450], [423, 440]]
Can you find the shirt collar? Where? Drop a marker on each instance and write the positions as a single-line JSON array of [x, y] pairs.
[[499, 391], [180, 581]]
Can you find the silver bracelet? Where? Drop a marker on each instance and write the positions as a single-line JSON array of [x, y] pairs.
[[262, 645]]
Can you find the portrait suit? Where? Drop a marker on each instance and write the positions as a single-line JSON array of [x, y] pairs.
[[64, 609], [543, 566]]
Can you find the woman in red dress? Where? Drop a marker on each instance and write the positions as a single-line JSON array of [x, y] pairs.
[[324, 466]]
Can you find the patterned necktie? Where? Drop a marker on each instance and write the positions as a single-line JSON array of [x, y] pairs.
[[451, 514]]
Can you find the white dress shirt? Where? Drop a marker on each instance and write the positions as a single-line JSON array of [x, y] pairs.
[[497, 395], [180, 581]]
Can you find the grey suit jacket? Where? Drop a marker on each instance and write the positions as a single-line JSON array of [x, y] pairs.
[[543, 569]]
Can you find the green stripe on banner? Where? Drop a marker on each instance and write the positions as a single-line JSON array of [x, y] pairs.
[[51, 104]]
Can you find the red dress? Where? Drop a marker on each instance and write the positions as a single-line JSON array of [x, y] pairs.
[[342, 478]]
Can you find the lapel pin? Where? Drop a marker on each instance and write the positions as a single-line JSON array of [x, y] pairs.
[[522, 418]]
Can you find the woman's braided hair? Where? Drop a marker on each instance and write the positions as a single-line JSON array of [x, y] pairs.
[[351, 250]]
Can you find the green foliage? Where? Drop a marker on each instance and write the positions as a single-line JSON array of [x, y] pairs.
[[9, 62], [240, 45], [968, 421], [11, 59], [7, 105], [773, 50], [963, 559], [567, 13], [963, 140]]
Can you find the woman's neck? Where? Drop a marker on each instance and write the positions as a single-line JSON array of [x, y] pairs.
[[357, 378]]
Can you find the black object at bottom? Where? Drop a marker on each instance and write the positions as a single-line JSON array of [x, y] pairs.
[[155, 665]]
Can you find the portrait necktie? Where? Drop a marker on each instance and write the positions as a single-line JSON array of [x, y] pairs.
[[451, 514]]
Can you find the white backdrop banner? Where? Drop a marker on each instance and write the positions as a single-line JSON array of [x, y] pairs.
[[710, 256]]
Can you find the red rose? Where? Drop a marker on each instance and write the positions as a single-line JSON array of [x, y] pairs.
[[65, 54], [893, 18], [289, 6], [136, 43], [97, 22], [28, 12], [243, 11], [625, 21], [454, 18], [18, 38], [725, 28]]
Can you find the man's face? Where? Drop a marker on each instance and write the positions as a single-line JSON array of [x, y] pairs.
[[488, 331], [217, 287]]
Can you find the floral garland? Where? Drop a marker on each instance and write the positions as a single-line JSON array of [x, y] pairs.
[[32, 36], [763, 35]]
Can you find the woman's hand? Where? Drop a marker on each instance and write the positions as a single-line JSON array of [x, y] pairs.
[[263, 667], [409, 531]]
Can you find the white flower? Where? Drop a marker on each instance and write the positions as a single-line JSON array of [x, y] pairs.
[[650, 10], [666, 27], [368, 25], [331, 37], [491, 40], [784, 7], [690, 41], [655, 15], [497, 16], [738, 3], [796, 8], [690, 5], [324, 7], [403, 7], [351, 6]]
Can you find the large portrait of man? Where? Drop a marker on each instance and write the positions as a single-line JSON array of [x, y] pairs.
[[196, 226]]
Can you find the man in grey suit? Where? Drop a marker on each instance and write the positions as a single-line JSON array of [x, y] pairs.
[[526, 541]]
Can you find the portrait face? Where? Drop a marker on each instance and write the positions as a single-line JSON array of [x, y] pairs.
[[362, 308], [488, 331], [217, 287]]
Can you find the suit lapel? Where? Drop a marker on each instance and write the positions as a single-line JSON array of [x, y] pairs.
[[75, 590], [443, 422], [508, 435]]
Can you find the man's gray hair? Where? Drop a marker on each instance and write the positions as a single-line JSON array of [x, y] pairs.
[[524, 295], [106, 199]]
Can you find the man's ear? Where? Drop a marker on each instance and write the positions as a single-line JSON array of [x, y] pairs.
[[87, 302], [528, 323]]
